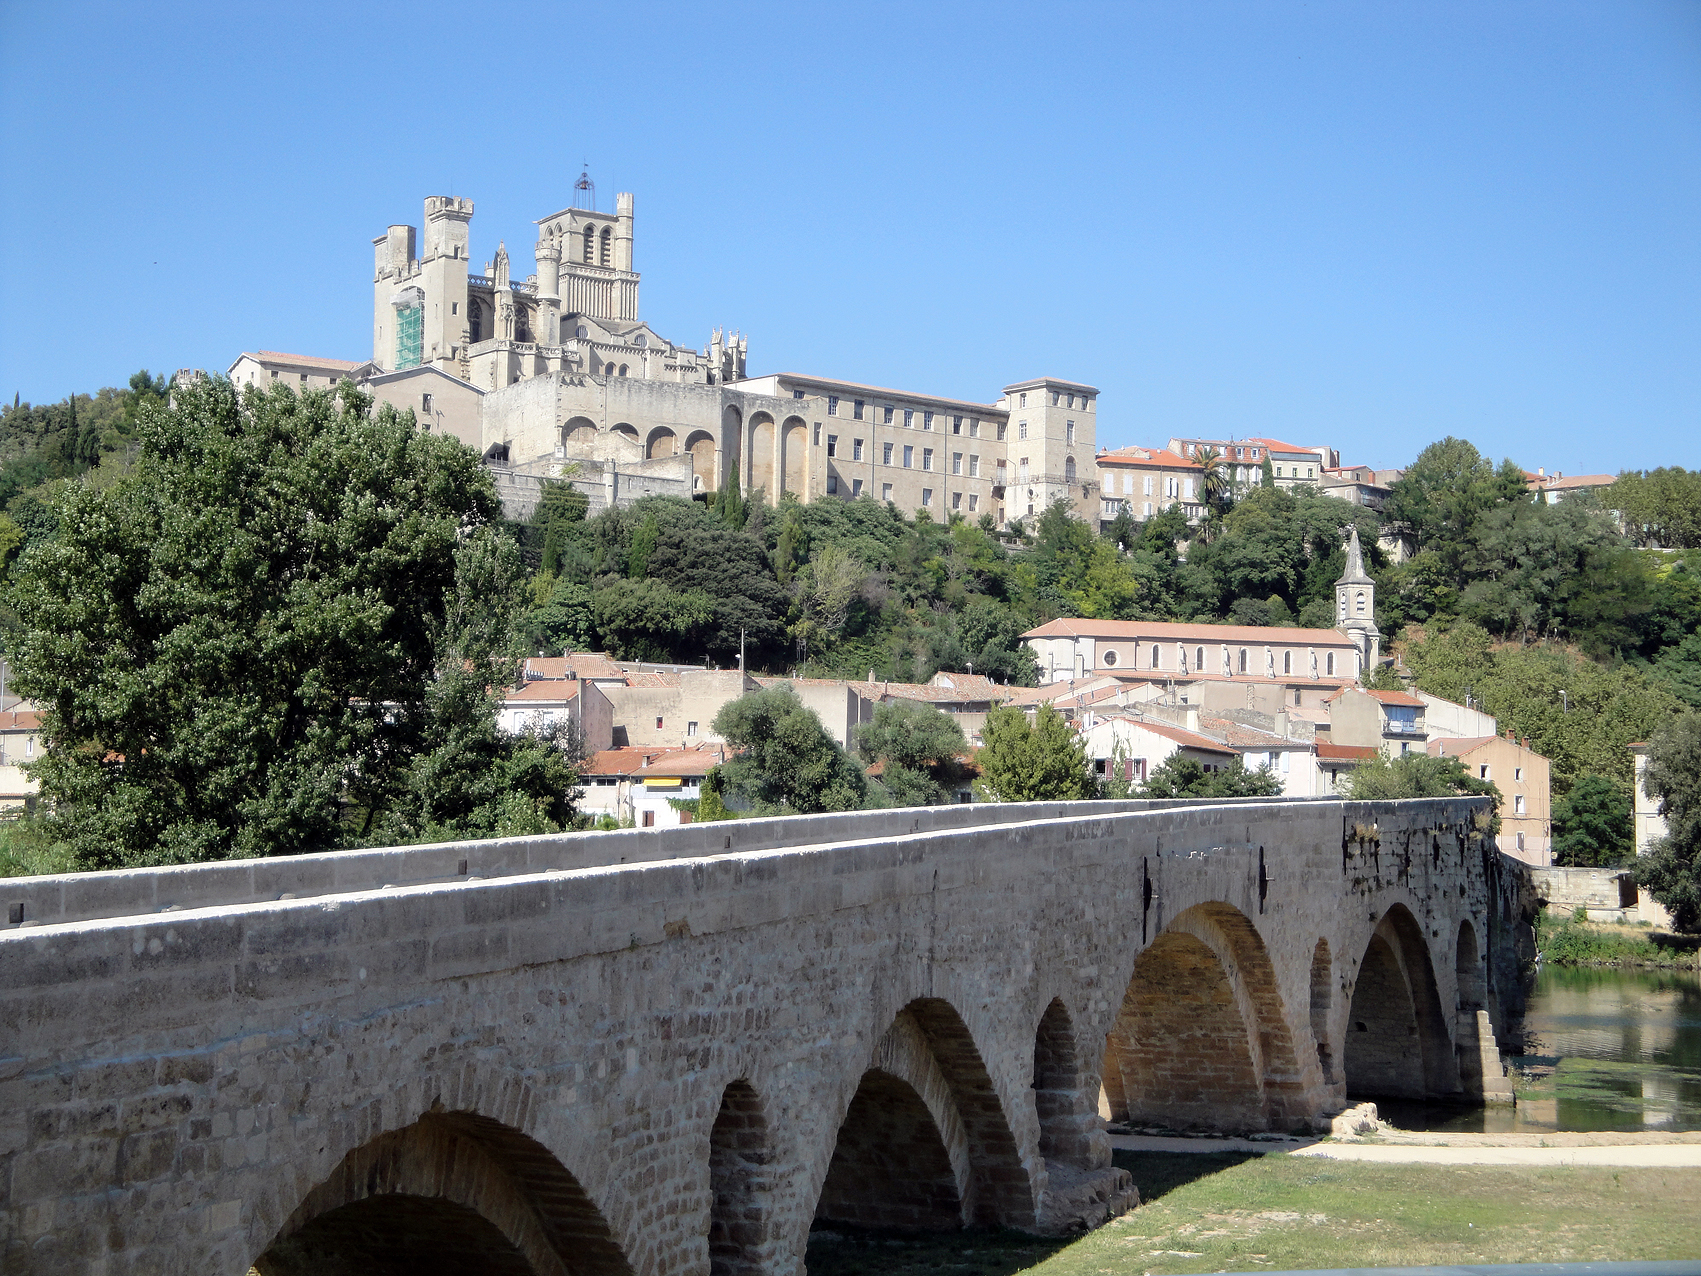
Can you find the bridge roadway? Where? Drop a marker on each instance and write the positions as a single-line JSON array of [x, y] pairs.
[[668, 1052]]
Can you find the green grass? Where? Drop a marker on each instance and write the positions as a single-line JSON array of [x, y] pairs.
[[1228, 1212], [1567, 942], [25, 852]]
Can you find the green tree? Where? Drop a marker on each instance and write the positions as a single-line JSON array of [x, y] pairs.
[[646, 620], [1416, 775], [1659, 507], [250, 643], [786, 761], [1180, 776], [1591, 824], [917, 748], [1671, 869], [1040, 763]]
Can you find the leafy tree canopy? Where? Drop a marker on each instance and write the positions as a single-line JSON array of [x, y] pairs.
[[1180, 776], [786, 760], [917, 748], [1043, 762], [1591, 824], [264, 638], [1416, 775], [1671, 870]]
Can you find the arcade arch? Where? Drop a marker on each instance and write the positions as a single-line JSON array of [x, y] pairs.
[[1396, 1040], [796, 456], [740, 1181], [579, 431], [661, 442], [1204, 990], [761, 453], [701, 445], [449, 1193], [1066, 1118]]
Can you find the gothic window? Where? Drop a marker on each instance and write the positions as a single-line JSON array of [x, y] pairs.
[[590, 245], [1329, 663], [608, 371], [623, 369], [475, 322], [1156, 657], [1243, 660], [522, 327], [606, 258], [1199, 659], [1287, 662]]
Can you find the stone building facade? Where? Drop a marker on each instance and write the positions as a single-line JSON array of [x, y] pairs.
[[567, 379]]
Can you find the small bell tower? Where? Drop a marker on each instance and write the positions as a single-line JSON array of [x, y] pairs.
[[1355, 605]]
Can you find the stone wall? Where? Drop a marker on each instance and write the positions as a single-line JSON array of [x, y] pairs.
[[669, 1051]]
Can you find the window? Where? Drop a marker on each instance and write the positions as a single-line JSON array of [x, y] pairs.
[[927, 496], [856, 410], [1243, 660], [909, 456], [1069, 433], [1148, 509], [1056, 398], [1022, 470], [956, 462], [956, 425], [590, 245], [1199, 660], [974, 466], [974, 428], [888, 416], [1296, 705], [927, 420], [832, 485], [1148, 485], [885, 491], [832, 405], [1110, 658], [690, 728], [1329, 664], [856, 487], [1002, 427], [1021, 429], [1068, 469], [658, 724], [29, 746], [909, 418], [956, 500], [817, 434], [974, 502], [425, 403], [832, 441], [1155, 657], [1023, 402], [927, 458], [1278, 471], [303, 378], [797, 394], [607, 254], [856, 449], [1518, 776], [649, 819], [1518, 805], [1358, 602], [1287, 662], [1520, 841], [1482, 771], [886, 454]]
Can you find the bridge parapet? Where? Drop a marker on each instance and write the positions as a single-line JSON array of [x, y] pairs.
[[607, 1020]]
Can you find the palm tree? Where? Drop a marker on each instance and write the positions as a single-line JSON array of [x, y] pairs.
[[1216, 479]]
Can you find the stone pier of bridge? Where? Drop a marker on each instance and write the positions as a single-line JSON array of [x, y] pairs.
[[673, 1052]]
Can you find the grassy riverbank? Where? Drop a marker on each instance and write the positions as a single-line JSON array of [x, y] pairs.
[[1564, 941], [1231, 1212]]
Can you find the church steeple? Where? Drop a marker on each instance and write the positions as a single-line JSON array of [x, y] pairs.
[[1355, 604]]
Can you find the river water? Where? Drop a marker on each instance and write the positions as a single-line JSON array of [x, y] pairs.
[[1610, 1049]]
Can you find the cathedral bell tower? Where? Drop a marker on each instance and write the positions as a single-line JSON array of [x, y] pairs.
[[1355, 606]]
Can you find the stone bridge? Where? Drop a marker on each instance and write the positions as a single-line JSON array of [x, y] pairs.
[[669, 1052]]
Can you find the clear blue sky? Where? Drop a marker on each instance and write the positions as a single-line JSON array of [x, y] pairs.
[[1366, 224]]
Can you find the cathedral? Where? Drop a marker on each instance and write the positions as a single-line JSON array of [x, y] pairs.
[[555, 375]]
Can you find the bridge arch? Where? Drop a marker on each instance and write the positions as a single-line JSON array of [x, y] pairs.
[[1066, 1118], [925, 1143], [1201, 1039], [740, 1184], [450, 1192], [1322, 1003], [1397, 1044]]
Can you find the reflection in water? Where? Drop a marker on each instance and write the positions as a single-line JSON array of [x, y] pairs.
[[1611, 1050]]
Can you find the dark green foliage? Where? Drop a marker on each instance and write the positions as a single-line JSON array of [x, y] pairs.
[[1043, 762], [1591, 824], [1660, 507], [917, 748], [1416, 775], [1183, 777], [787, 761], [255, 643], [1671, 870]]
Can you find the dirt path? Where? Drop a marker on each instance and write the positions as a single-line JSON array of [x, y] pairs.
[[1652, 1148]]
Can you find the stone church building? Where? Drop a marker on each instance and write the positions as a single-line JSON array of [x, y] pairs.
[[556, 373]]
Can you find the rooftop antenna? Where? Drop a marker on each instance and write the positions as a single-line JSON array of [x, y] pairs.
[[585, 188]]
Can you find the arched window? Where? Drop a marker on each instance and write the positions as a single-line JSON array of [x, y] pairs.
[[1156, 663], [607, 256], [1359, 603], [522, 324], [1068, 469], [475, 322], [1243, 659], [608, 371], [623, 369], [590, 245], [1198, 660], [1287, 662], [581, 332]]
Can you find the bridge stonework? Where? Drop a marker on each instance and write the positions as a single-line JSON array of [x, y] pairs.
[[669, 1052]]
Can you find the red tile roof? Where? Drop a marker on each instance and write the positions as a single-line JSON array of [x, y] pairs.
[[587, 664], [301, 360], [1144, 456], [1327, 752], [1187, 739], [20, 720], [544, 689]]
